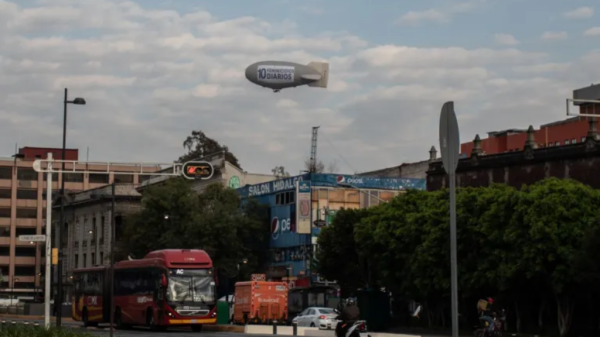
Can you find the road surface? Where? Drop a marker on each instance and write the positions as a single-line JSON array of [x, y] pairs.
[[104, 332]]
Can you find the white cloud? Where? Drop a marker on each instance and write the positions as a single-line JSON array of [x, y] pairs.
[[595, 31], [554, 36], [151, 76], [438, 15], [580, 13], [506, 40]]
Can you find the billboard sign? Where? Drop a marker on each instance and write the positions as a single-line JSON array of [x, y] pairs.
[[201, 170], [303, 207], [280, 226]]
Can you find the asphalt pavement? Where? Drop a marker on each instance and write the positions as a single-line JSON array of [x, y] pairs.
[[104, 331]]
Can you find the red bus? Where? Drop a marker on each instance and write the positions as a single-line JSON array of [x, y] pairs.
[[173, 287]]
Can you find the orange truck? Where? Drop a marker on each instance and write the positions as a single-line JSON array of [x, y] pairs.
[[260, 302]]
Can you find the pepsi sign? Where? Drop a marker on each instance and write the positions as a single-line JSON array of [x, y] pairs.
[[279, 226]]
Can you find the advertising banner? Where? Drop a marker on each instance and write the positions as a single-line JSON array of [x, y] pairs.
[[303, 207]]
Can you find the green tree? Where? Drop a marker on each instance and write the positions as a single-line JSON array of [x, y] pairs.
[[174, 216], [548, 236], [198, 145], [336, 243]]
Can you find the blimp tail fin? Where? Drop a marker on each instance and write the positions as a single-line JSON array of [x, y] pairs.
[[323, 68]]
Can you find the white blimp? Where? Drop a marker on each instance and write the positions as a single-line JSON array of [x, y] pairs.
[[277, 75]]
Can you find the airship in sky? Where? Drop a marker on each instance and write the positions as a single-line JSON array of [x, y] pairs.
[[279, 75]]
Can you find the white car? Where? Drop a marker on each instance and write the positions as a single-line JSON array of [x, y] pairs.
[[323, 318]]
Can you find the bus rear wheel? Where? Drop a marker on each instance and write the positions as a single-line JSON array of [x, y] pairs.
[[197, 328]]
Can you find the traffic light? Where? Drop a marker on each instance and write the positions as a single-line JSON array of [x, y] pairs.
[[54, 256]]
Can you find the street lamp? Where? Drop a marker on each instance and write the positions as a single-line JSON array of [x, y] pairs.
[[112, 253], [76, 101]]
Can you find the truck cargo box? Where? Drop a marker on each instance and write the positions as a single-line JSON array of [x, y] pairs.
[[260, 302]]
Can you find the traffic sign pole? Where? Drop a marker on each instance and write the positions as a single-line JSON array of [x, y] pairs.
[[449, 146], [48, 244]]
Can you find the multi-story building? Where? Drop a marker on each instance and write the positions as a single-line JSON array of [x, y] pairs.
[[289, 249], [23, 212], [564, 132], [86, 234]]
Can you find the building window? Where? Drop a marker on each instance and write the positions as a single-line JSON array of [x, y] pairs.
[[84, 261], [101, 262], [5, 193], [96, 178], [5, 212], [26, 231], [285, 198], [102, 227], [76, 261], [27, 194], [124, 178], [5, 232], [567, 142], [27, 213], [6, 172], [25, 251], [583, 139], [557, 144], [25, 270], [573, 141], [93, 261], [94, 232], [25, 173]]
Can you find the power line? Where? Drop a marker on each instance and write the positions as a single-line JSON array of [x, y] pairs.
[[339, 154]]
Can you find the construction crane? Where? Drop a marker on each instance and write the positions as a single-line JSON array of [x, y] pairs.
[[313, 150]]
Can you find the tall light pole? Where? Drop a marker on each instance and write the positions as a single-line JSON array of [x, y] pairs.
[[58, 301], [112, 259]]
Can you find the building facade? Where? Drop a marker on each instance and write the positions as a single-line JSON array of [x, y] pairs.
[[565, 132], [86, 235], [579, 161], [289, 250], [23, 212]]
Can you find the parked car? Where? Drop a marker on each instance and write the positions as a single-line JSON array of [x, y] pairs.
[[323, 318]]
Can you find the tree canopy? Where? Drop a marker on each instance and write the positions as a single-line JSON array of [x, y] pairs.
[[532, 249], [175, 216], [198, 145]]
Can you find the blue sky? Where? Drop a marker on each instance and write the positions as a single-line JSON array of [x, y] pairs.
[[150, 77]]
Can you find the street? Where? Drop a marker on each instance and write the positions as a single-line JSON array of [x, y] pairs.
[[103, 330]]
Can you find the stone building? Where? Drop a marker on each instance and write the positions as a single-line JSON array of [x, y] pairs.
[[579, 161], [86, 235]]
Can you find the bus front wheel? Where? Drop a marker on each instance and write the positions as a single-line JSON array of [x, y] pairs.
[[197, 328]]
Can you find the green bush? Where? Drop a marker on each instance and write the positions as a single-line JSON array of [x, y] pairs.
[[30, 331]]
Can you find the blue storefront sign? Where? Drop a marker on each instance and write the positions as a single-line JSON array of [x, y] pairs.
[[349, 181], [333, 180]]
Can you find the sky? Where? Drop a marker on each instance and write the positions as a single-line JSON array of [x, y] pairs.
[[152, 71]]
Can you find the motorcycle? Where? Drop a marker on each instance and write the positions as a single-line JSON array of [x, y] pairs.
[[499, 323], [358, 329]]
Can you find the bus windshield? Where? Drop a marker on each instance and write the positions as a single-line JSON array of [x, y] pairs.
[[187, 285]]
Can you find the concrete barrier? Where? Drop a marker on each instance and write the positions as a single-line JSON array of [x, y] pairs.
[[281, 330]]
